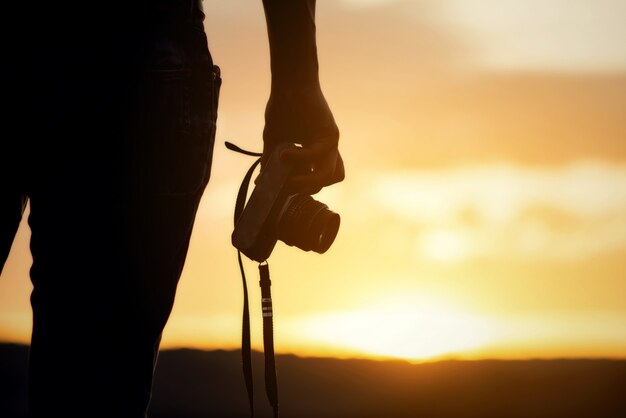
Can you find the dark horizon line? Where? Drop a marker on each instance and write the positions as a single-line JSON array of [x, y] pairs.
[[380, 359]]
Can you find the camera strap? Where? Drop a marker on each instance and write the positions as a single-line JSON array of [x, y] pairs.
[[271, 384]]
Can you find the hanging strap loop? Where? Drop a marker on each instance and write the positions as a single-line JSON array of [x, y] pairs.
[[271, 383]]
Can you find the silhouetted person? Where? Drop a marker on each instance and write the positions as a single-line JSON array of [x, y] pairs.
[[109, 124]]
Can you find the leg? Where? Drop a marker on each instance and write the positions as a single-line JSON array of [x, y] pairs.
[[103, 291], [111, 223]]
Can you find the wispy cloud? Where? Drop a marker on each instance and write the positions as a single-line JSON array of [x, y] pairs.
[[552, 35], [544, 35], [574, 211]]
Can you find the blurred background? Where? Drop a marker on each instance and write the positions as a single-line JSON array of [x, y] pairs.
[[484, 207]]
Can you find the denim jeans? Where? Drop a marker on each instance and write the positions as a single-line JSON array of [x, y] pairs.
[[113, 151]]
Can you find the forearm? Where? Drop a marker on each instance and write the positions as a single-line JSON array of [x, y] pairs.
[[292, 40]]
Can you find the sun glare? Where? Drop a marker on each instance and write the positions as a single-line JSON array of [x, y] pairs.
[[400, 329]]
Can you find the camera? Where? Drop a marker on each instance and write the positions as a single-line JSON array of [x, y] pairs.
[[273, 214]]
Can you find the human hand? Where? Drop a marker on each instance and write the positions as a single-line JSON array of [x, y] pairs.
[[302, 116]]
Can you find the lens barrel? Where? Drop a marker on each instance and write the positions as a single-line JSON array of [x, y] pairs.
[[308, 224]]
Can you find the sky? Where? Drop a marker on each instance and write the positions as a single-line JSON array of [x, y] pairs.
[[484, 205]]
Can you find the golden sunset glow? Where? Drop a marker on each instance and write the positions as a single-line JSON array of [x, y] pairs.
[[484, 205], [409, 329]]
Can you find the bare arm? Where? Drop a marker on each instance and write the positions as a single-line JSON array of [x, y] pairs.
[[297, 110]]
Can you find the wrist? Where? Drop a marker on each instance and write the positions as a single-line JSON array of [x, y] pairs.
[[291, 84]]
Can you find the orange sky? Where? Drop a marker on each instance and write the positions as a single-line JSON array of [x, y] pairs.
[[484, 209]]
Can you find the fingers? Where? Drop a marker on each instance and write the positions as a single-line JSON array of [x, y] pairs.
[[319, 173], [310, 153]]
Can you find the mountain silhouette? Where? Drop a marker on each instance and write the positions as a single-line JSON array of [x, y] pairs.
[[200, 384]]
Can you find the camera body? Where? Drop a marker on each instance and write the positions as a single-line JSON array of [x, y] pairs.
[[273, 214]]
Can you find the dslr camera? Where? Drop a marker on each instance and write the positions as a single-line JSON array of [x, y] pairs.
[[273, 214]]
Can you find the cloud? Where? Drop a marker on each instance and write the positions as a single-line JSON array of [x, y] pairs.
[[500, 193], [543, 35], [575, 211]]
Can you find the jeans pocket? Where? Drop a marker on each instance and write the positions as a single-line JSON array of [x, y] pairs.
[[177, 127]]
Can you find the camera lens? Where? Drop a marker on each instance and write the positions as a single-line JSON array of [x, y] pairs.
[[308, 224]]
